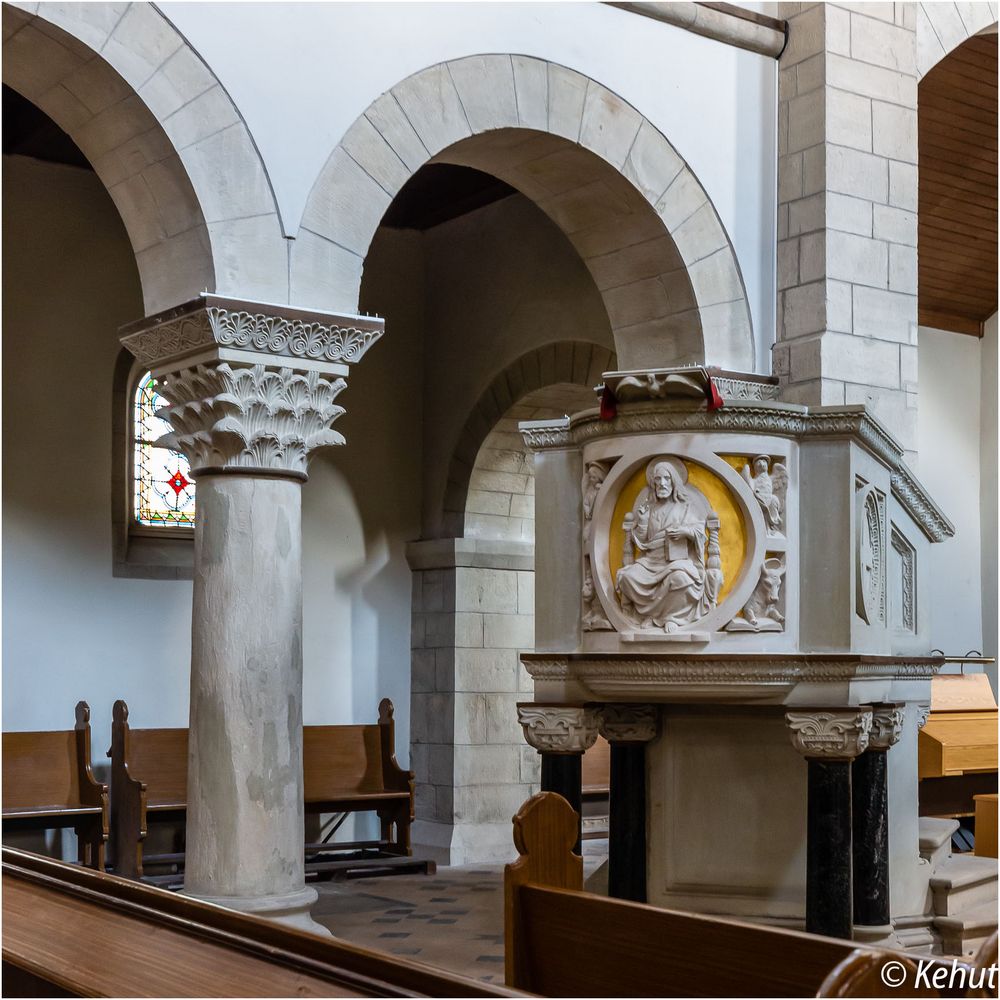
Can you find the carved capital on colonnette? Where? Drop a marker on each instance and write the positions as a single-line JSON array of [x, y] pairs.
[[628, 723], [250, 387], [887, 727], [826, 735], [558, 728]]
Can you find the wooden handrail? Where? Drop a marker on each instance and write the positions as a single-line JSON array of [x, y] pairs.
[[79, 929]]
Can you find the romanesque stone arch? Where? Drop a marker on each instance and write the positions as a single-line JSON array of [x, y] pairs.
[[631, 206], [164, 138], [942, 27], [564, 363]]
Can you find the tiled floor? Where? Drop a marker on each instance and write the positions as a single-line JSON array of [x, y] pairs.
[[453, 920]]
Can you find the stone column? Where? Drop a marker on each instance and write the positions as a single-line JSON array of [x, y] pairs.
[[847, 210], [628, 728], [561, 734], [829, 740], [870, 809], [251, 392]]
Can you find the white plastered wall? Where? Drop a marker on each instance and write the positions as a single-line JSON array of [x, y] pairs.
[[958, 463], [71, 629], [715, 103]]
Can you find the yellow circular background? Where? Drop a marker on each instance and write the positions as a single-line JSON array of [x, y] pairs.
[[732, 531]]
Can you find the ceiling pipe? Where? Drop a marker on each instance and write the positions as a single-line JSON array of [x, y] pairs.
[[745, 29]]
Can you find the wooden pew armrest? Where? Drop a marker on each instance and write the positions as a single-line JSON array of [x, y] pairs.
[[92, 791], [394, 778]]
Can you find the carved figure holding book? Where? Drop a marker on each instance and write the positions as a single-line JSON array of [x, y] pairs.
[[672, 570]]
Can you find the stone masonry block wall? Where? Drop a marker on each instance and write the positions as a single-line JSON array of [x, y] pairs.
[[473, 613], [500, 502], [469, 623], [847, 222]]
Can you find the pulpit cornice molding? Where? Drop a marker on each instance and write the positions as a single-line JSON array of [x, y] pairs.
[[758, 417]]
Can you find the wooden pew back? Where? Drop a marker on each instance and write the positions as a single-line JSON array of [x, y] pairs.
[[50, 771], [562, 942], [160, 758], [338, 759], [39, 770]]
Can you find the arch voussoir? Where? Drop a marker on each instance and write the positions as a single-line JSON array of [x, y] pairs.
[[942, 27], [164, 138], [602, 172]]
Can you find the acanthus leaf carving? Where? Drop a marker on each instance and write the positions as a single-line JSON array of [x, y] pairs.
[[830, 735], [227, 417]]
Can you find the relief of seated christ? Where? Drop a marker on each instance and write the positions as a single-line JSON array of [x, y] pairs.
[[664, 582]]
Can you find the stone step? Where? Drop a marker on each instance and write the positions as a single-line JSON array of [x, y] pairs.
[[963, 882], [915, 933], [964, 933], [935, 839]]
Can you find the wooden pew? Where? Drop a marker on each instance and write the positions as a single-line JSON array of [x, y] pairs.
[[69, 931], [562, 942], [346, 769], [48, 783], [957, 748]]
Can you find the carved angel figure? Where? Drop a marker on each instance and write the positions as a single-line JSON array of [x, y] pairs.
[[593, 617], [668, 581], [593, 477], [769, 488]]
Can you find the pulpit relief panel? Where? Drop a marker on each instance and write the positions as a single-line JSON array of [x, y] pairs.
[[686, 539]]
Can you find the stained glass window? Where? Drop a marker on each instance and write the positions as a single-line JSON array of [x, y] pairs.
[[164, 491]]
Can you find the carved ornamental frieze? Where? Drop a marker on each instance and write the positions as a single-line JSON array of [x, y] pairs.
[[558, 728]]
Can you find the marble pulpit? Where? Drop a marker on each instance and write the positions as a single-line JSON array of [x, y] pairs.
[[737, 596]]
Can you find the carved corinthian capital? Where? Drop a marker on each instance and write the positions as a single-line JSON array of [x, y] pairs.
[[830, 735], [627, 723], [229, 419], [558, 728], [887, 727], [250, 388]]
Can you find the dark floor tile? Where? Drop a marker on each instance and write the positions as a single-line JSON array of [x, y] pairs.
[[489, 958], [441, 920], [394, 934]]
